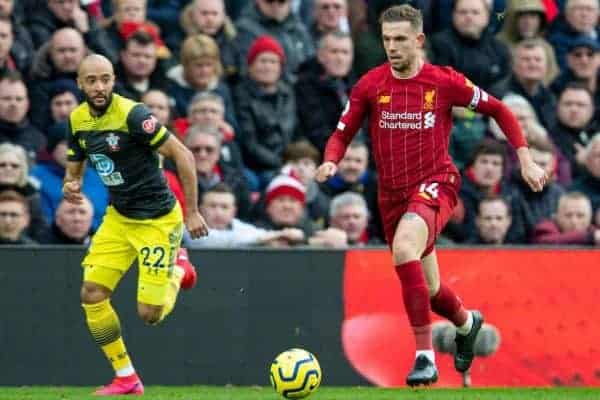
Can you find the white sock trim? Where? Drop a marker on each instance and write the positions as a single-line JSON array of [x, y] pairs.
[[125, 371], [430, 354], [465, 328]]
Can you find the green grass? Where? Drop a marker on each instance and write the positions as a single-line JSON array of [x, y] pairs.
[[326, 393]]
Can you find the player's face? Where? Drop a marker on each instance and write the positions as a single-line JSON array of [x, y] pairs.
[[575, 108], [13, 219], [493, 221], [206, 151], [158, 103], [61, 106], [574, 215], [218, 209], [402, 44], [487, 169], [336, 56], [209, 16], [75, 220], [97, 83], [285, 210], [352, 219], [354, 164]]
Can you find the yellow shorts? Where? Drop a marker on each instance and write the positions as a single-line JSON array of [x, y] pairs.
[[118, 242]]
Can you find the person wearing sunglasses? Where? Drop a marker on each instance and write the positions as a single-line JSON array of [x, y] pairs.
[[275, 18]]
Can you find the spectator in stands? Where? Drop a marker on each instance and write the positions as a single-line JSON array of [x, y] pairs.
[[64, 97], [200, 71], [589, 181], [57, 14], [323, 86], [266, 109], [57, 59], [330, 16], [205, 141], [469, 47], [526, 19], [579, 17], [50, 175], [218, 207], [14, 175], [7, 62], [14, 219], [529, 69], [72, 224], [208, 108], [21, 50], [139, 68], [484, 177], [14, 125], [274, 18], [158, 103], [285, 199], [209, 18], [349, 213], [572, 224], [354, 175], [582, 66], [129, 16], [531, 207], [303, 158], [166, 14], [492, 222], [574, 127]]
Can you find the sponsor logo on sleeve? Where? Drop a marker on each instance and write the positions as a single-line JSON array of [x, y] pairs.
[[149, 124]]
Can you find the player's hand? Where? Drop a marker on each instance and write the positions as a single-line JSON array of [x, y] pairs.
[[195, 224], [325, 171], [534, 175], [72, 192]]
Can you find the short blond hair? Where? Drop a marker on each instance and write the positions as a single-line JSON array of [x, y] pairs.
[[200, 46], [19, 152]]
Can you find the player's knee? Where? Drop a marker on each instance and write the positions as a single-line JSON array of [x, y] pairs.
[[404, 250], [151, 315], [92, 293]]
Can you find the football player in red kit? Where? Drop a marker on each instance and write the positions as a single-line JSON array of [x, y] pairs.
[[409, 106]]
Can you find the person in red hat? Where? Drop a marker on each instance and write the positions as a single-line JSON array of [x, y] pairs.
[[266, 109]]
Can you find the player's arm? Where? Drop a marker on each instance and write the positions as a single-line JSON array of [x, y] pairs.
[[75, 168], [468, 95], [350, 121]]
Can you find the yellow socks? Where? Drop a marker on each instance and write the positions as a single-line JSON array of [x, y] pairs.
[[104, 325]]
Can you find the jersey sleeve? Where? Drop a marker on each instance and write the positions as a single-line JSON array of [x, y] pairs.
[[74, 150], [145, 128], [350, 121], [464, 93]]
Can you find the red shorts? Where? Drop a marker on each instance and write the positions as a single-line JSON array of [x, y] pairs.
[[433, 201]]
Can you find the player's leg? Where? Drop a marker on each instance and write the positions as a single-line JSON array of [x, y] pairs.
[[161, 275], [409, 242], [108, 259]]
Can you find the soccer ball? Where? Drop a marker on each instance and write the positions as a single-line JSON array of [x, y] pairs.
[[295, 374]]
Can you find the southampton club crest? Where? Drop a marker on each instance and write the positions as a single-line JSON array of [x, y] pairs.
[[113, 142]]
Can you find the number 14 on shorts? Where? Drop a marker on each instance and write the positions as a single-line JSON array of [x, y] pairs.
[[429, 190]]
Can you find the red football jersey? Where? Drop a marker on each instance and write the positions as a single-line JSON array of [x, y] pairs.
[[410, 121]]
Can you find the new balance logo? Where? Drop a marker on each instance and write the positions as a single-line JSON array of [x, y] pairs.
[[429, 120]]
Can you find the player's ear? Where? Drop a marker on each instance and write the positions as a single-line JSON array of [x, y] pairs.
[[421, 39]]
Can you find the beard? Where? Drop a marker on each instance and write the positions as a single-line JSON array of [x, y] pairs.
[[99, 109]]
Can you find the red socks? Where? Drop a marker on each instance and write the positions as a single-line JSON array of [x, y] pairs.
[[416, 302], [448, 305]]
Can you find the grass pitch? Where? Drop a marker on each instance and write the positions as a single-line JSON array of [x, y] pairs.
[[325, 393]]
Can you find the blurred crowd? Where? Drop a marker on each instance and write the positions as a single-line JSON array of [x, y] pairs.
[[254, 88]]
